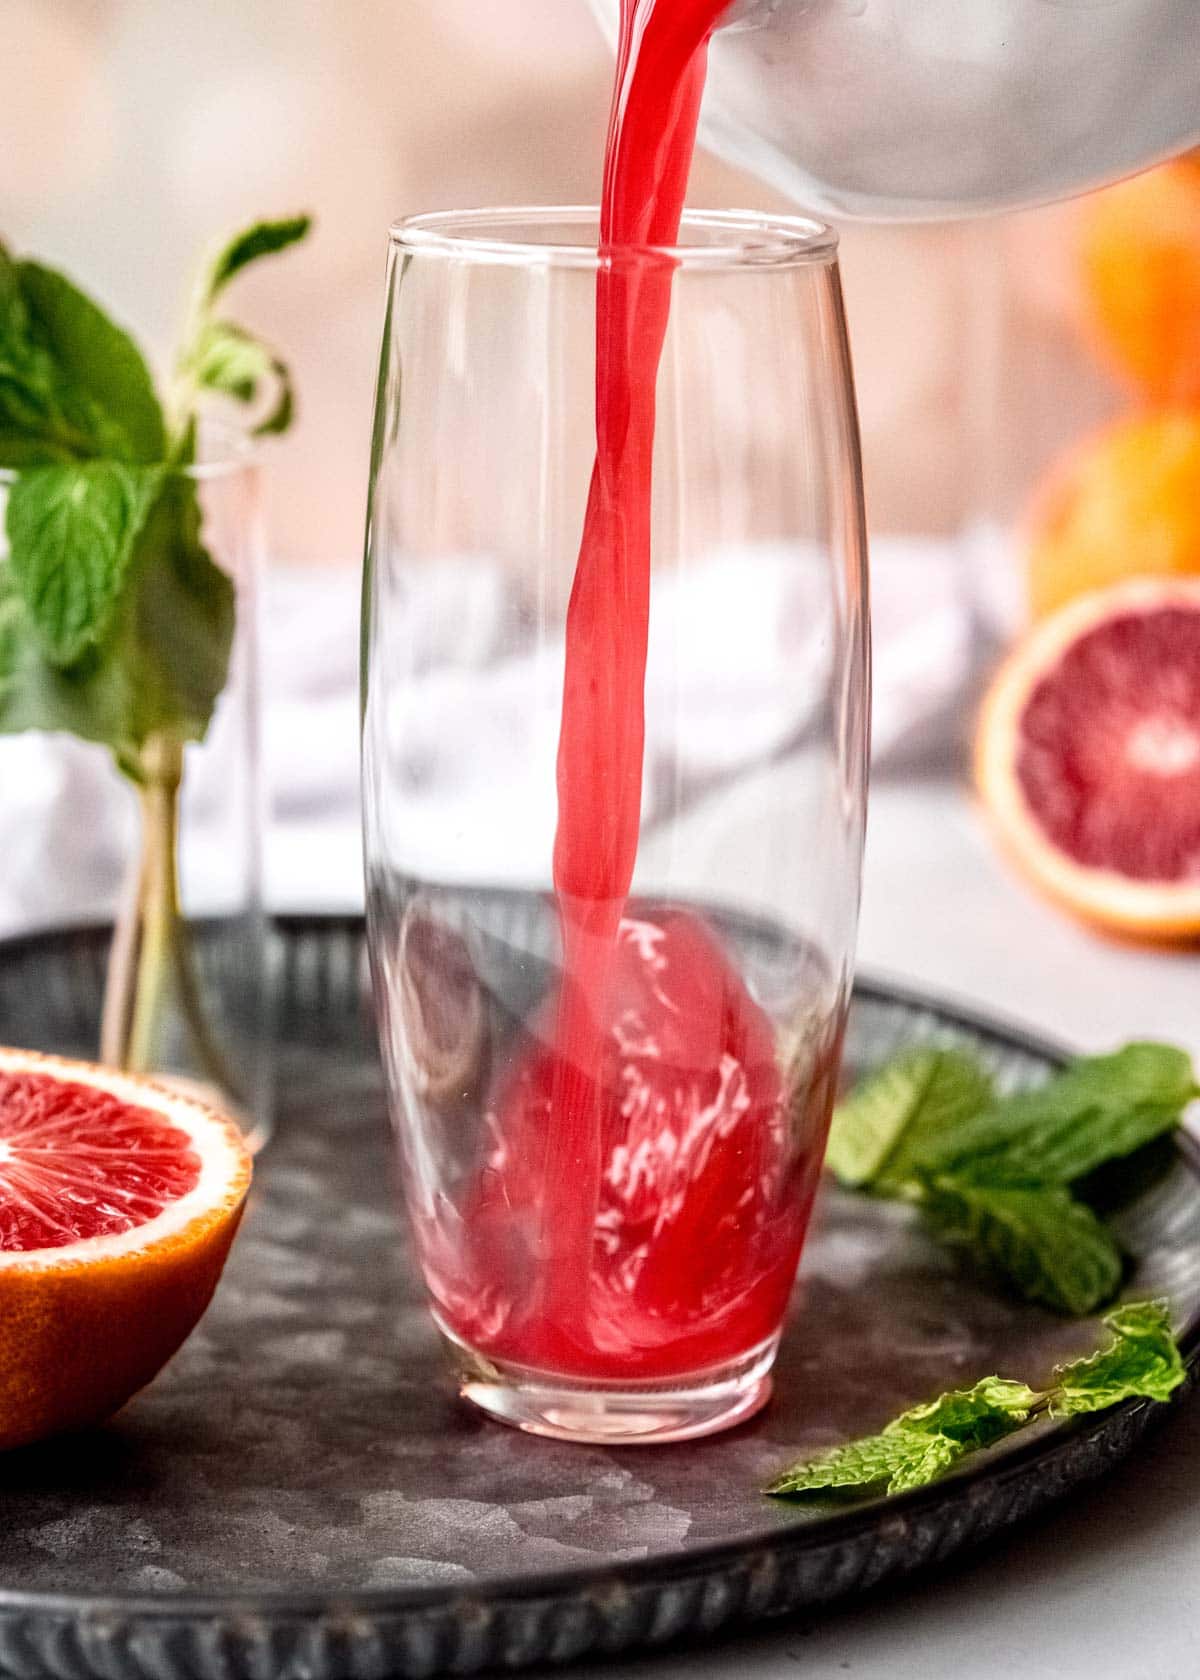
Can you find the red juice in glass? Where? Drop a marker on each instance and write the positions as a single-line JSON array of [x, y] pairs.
[[613, 1108], [709, 1153]]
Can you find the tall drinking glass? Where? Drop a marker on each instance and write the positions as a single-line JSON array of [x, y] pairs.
[[712, 1055]]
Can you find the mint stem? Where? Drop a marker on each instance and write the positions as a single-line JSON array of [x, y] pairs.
[[122, 958], [1141, 1361], [152, 963], [159, 796]]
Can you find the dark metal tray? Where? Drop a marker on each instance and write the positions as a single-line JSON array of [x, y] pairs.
[[302, 1495]]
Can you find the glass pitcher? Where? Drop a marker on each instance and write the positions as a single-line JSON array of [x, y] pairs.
[[933, 109]]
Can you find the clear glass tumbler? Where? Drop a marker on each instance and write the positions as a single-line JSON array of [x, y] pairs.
[[638, 1294]]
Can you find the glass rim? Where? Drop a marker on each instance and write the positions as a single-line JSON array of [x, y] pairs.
[[748, 238], [232, 450]]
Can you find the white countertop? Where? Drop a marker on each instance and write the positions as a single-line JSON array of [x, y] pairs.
[[1107, 1587], [941, 909]]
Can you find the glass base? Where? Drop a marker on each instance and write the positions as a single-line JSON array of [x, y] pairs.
[[614, 1413]]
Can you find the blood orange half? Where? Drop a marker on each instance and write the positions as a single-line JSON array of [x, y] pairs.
[[1089, 757], [118, 1203]]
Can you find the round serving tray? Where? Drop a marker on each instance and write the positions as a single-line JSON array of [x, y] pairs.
[[301, 1493]]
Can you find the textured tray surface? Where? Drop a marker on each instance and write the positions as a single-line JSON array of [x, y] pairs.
[[302, 1490]]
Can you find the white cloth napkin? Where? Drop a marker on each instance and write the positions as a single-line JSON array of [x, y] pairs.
[[65, 819]]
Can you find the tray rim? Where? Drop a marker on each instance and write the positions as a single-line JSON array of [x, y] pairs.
[[991, 1471]]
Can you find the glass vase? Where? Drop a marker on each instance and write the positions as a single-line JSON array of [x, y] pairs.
[[633, 1290], [157, 866]]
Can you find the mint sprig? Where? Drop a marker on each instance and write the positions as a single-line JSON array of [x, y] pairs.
[[997, 1176], [217, 355], [72, 531], [1142, 1361], [921, 1444], [116, 623]]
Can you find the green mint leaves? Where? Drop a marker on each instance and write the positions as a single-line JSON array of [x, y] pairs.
[[1142, 1360], [1097, 1109], [159, 663], [115, 622], [899, 1459], [223, 358], [97, 365], [995, 1176], [231, 362], [1049, 1247], [261, 239], [922, 1444], [73, 385], [908, 1105], [72, 531]]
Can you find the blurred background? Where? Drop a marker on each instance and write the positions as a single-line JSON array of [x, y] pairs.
[[133, 131]]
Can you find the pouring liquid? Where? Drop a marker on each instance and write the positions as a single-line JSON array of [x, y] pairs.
[[648, 1180]]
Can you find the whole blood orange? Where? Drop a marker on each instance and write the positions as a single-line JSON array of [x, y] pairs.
[[1124, 503], [1089, 757], [1140, 253], [118, 1203]]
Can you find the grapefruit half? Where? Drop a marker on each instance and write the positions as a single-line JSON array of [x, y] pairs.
[[118, 1204], [1088, 757]]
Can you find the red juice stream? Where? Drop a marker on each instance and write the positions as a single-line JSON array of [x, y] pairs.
[[661, 57], [648, 1176]]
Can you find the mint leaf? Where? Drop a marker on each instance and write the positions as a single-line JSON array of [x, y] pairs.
[[1143, 1360], [263, 239], [899, 1459], [1098, 1109], [21, 448], [941, 1454], [12, 633], [164, 660], [1049, 1246], [958, 1087], [911, 1101], [90, 700], [867, 1124], [235, 364], [974, 1417], [73, 386], [919, 1445], [36, 429], [101, 379], [26, 380], [176, 629], [71, 532]]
